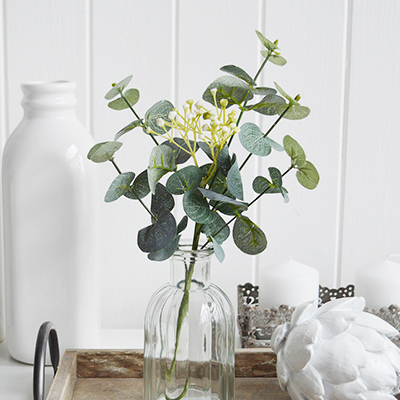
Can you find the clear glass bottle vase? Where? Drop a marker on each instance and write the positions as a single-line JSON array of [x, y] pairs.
[[189, 349]]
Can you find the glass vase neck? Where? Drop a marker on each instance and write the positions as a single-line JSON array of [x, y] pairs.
[[191, 268], [49, 97]]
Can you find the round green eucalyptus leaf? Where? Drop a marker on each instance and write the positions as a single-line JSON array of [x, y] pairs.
[[264, 91], [161, 200], [274, 58], [294, 151], [128, 128], [248, 237], [283, 93], [240, 73], [140, 187], [185, 179], [234, 181], [162, 161], [177, 147], [209, 194], [308, 175], [117, 88], [267, 105], [263, 185], [276, 177], [102, 152], [158, 235], [119, 186], [218, 250], [218, 229], [267, 43], [159, 110], [294, 112], [252, 139], [166, 252], [182, 225], [131, 96], [197, 208], [235, 90], [228, 208]]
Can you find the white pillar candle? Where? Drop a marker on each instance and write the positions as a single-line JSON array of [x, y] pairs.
[[379, 284], [290, 283]]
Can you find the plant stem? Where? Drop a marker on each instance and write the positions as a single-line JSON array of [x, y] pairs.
[[265, 135], [245, 103], [196, 236], [182, 314], [250, 204], [134, 112], [116, 166]]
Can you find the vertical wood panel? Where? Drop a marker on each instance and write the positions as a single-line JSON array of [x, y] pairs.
[[371, 215], [46, 41], [311, 37], [3, 127], [129, 38]]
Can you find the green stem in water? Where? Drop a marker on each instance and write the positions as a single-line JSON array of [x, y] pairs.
[[182, 314]]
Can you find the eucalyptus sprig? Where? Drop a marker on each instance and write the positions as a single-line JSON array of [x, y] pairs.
[[213, 191]]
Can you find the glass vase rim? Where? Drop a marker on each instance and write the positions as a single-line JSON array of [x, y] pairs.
[[184, 249]]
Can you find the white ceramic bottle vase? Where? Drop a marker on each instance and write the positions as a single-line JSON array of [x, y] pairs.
[[49, 210]]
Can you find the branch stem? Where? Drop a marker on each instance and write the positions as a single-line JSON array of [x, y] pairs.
[[133, 191]]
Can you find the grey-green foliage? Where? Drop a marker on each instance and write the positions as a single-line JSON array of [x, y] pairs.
[[119, 186], [159, 110], [104, 151], [161, 162], [129, 99], [207, 200], [248, 236], [232, 88]]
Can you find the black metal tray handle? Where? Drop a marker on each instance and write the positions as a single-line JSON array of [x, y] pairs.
[[47, 334]]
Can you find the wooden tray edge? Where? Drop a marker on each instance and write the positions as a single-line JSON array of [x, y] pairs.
[[115, 364]]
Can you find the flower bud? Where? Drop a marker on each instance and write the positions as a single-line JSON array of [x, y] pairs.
[[148, 130], [224, 102], [225, 129], [185, 106], [172, 115], [160, 122], [205, 127], [190, 102], [213, 91]]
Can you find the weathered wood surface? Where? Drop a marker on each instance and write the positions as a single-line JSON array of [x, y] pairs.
[[109, 374]]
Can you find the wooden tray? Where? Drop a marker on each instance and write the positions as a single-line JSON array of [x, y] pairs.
[[117, 375]]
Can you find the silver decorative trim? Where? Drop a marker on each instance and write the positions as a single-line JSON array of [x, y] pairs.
[[256, 325]]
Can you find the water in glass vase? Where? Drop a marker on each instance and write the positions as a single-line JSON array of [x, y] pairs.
[[189, 349]]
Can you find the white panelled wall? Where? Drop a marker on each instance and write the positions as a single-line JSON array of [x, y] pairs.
[[343, 59]]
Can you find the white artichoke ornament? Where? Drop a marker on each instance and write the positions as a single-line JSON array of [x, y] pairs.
[[337, 352]]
